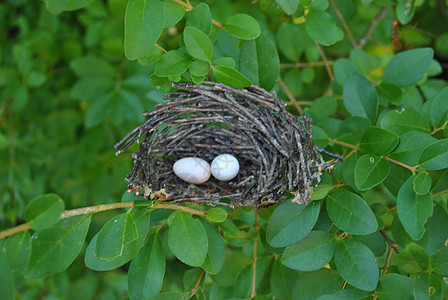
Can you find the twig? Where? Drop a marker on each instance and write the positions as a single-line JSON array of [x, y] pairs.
[[372, 26], [441, 192], [386, 264], [347, 29], [413, 169], [344, 285], [254, 266], [189, 7], [290, 96], [196, 286], [161, 48], [391, 242], [103, 207], [324, 57], [356, 148], [438, 129], [306, 64]]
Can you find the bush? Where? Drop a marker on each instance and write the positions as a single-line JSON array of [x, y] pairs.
[[77, 75]]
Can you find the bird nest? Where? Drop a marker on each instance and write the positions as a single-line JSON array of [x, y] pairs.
[[273, 147]]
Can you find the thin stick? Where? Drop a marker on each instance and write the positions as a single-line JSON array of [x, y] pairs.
[[344, 285], [438, 129], [372, 26], [324, 57], [441, 192], [347, 29], [290, 96], [254, 266], [386, 264], [307, 64], [391, 242], [413, 169], [161, 48], [103, 207], [196, 286], [356, 148]]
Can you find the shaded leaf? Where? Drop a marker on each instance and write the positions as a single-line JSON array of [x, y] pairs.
[[378, 141], [360, 97], [322, 28], [435, 156], [44, 211], [198, 44], [404, 120], [234, 263], [173, 62], [200, 17], [7, 285], [216, 251], [288, 6], [16, 250], [370, 171], [242, 26], [311, 285], [282, 281], [395, 286], [230, 76]]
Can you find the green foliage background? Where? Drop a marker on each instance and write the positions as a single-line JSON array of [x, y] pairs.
[[75, 77]]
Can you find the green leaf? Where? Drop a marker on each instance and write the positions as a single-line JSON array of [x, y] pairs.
[[170, 296], [224, 61], [311, 285], [320, 191], [216, 250], [291, 222], [311, 253], [322, 28], [350, 212], [413, 210], [174, 12], [16, 250], [324, 106], [152, 56], [200, 17], [413, 259], [411, 146], [44, 211], [173, 62], [378, 141], [259, 62], [282, 281], [288, 6], [320, 137], [395, 286], [141, 218], [216, 214], [147, 269], [117, 232], [92, 87], [143, 25], [389, 92], [404, 120], [374, 241], [187, 239], [357, 265], [439, 108], [405, 11], [429, 286], [360, 97], [92, 66], [434, 239], [234, 263], [435, 156], [370, 171], [199, 68], [422, 184], [56, 6], [198, 44], [7, 285], [230, 76], [242, 26], [408, 67], [298, 40], [440, 261], [55, 248], [342, 68]]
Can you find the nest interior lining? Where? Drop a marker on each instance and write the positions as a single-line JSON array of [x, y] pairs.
[[273, 147]]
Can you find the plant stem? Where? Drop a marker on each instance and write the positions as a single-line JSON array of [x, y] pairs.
[[307, 64], [254, 266], [413, 169], [324, 57], [438, 129], [189, 7], [103, 207], [160, 47], [356, 148], [441, 192], [392, 243], [196, 286], [372, 26], [291, 98], [347, 29]]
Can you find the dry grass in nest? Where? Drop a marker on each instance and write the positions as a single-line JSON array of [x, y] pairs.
[[273, 147]]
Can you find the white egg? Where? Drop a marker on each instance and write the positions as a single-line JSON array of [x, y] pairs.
[[192, 169], [225, 167]]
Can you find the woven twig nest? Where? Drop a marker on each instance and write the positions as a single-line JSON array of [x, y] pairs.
[[273, 147]]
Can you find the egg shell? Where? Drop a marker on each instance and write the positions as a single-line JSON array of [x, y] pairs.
[[192, 169], [225, 167]]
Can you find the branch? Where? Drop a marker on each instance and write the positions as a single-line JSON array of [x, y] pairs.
[[196, 286], [103, 207], [392, 243], [440, 128], [189, 7], [254, 266], [324, 57], [307, 64], [356, 148], [441, 192], [413, 169], [372, 26], [347, 29], [291, 98]]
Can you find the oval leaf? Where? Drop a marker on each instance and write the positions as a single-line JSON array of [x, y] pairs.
[[413, 210], [55, 248], [173, 62], [322, 28], [311, 253], [143, 24], [44, 211], [435, 156], [357, 264], [439, 108], [378, 141], [395, 286], [288, 6], [230, 76], [408, 67], [17, 249], [145, 275], [291, 222], [311, 285], [360, 97], [350, 212], [411, 146], [216, 250], [198, 44], [370, 171], [200, 17], [7, 286], [216, 214], [404, 120], [422, 184], [242, 26], [187, 239]]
